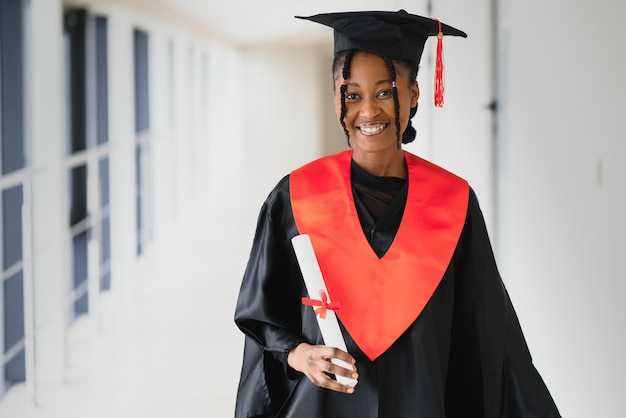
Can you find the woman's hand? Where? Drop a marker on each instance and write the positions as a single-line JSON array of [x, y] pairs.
[[314, 362]]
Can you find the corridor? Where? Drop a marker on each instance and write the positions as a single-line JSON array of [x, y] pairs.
[[166, 348]]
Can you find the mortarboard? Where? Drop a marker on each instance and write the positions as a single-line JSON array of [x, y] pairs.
[[395, 35]]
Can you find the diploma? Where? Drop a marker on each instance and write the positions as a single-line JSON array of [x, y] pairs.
[[321, 301]]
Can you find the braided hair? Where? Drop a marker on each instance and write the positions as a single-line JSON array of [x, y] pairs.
[[345, 73], [343, 59]]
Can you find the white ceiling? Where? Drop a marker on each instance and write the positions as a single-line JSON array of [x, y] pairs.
[[250, 22]]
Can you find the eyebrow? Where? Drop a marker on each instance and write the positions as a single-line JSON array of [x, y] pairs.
[[378, 83]]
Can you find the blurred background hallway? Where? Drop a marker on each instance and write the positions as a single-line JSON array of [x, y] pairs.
[[139, 139], [166, 348]]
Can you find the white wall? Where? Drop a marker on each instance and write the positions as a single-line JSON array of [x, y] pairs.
[[563, 196], [122, 154], [284, 90], [50, 204], [224, 143]]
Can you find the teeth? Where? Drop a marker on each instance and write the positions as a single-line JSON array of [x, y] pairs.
[[371, 129]]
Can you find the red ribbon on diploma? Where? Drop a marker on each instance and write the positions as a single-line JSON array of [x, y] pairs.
[[323, 304]]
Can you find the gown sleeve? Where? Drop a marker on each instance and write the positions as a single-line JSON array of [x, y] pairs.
[[268, 310], [491, 373]]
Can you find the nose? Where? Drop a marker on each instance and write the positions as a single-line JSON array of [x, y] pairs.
[[369, 108]]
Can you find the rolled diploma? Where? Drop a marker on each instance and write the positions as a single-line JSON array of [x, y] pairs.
[[314, 282]]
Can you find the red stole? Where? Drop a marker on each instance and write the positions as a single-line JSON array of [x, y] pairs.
[[380, 298]]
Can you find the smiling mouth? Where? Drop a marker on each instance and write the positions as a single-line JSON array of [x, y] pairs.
[[369, 129]]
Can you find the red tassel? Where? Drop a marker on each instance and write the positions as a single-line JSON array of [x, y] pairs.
[[439, 75]]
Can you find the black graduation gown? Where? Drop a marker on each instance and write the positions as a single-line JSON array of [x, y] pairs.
[[464, 356]]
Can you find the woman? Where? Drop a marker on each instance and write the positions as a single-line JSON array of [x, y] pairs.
[[429, 328]]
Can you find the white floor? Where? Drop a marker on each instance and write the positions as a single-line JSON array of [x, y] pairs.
[[168, 348]]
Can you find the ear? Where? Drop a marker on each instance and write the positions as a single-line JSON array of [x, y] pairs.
[[415, 94]]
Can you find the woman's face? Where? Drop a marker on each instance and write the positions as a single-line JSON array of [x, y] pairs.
[[370, 111]]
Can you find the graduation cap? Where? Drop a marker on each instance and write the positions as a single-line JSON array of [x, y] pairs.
[[395, 35]]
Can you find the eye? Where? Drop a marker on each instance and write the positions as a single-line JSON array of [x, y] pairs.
[[351, 97], [385, 93]]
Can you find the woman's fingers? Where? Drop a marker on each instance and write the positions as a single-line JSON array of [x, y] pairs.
[[315, 362]]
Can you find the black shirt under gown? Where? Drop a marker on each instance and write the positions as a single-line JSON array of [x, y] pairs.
[[464, 356]]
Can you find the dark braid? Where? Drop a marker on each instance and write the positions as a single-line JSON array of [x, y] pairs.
[[396, 102], [345, 73]]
